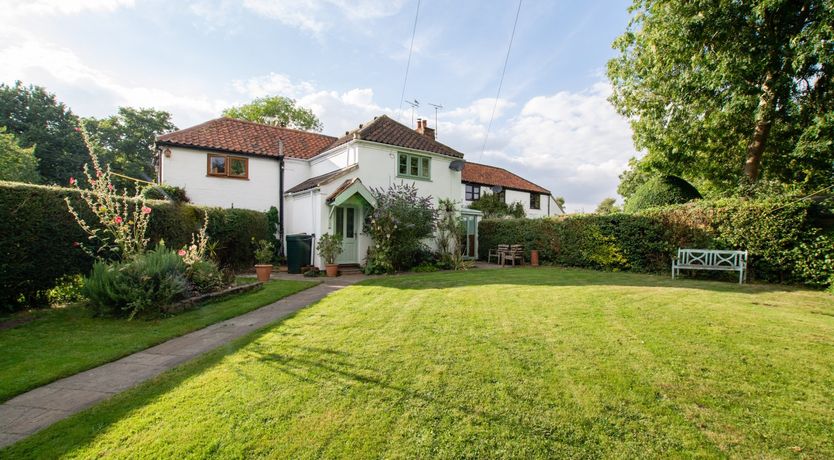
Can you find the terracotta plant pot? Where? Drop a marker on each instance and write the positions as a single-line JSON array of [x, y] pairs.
[[534, 258], [263, 271], [332, 269]]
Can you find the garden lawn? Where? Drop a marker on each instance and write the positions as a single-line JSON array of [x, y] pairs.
[[519, 363], [60, 342]]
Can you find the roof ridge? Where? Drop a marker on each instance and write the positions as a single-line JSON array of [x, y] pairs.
[[282, 128]]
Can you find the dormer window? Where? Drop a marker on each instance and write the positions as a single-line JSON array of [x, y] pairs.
[[228, 166]]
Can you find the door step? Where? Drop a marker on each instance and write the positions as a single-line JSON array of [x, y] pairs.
[[350, 269]]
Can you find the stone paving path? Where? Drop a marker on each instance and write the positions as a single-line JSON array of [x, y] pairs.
[[35, 410]]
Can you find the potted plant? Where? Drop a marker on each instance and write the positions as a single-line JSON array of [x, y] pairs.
[[330, 246], [264, 252]]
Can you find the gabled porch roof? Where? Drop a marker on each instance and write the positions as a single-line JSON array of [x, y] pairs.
[[348, 189]]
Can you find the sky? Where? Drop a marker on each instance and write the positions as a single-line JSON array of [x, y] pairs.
[[346, 60]]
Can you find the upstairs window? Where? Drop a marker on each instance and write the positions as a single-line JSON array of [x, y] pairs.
[[473, 192], [535, 201], [228, 166], [502, 195], [413, 166]]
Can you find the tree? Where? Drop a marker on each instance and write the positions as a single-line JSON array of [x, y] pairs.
[[661, 191], [277, 111], [607, 206], [493, 207], [632, 178], [17, 163], [125, 141], [39, 120], [730, 92], [560, 201]]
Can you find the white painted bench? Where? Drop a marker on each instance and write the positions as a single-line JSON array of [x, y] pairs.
[[710, 259]]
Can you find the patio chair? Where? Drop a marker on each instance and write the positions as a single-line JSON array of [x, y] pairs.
[[515, 253], [497, 253]]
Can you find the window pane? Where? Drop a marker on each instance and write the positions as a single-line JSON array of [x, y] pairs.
[[415, 166], [403, 164], [469, 193], [237, 167], [340, 221], [476, 192], [425, 171], [218, 165], [349, 221]]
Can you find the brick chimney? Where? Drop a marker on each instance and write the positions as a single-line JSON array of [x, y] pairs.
[[423, 128]]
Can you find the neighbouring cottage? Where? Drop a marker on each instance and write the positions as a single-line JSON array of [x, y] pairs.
[[324, 184]]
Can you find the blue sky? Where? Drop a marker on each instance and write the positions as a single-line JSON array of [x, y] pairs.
[[346, 61]]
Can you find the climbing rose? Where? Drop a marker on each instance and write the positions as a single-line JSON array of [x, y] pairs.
[[146, 210], [76, 244], [110, 187], [181, 253], [72, 181], [118, 219]]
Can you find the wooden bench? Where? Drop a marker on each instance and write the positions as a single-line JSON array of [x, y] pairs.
[[710, 259]]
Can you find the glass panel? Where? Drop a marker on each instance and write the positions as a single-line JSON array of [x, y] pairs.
[[476, 192], [425, 171], [218, 165], [237, 167], [349, 222], [403, 164], [415, 166], [340, 221]]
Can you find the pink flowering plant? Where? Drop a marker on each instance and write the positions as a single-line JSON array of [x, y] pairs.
[[199, 247], [122, 219]]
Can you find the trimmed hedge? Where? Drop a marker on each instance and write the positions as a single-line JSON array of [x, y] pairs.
[[661, 191], [37, 235], [787, 242]]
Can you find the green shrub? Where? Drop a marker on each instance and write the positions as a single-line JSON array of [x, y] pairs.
[[425, 267], [68, 289], [398, 224], [205, 276], [167, 193], [785, 240], [140, 286], [661, 191], [40, 238]]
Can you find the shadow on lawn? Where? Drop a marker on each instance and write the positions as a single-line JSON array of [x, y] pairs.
[[563, 277], [326, 365]]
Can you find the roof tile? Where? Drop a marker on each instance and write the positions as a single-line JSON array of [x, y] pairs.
[[240, 136], [477, 173], [385, 130]]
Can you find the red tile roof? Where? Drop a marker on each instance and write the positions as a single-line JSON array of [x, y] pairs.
[[385, 130], [238, 136], [477, 173]]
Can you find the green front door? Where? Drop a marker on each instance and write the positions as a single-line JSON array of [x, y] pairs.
[[346, 223]]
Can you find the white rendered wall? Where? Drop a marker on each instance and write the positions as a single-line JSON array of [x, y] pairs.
[[342, 157], [187, 168], [513, 196], [378, 169], [295, 172]]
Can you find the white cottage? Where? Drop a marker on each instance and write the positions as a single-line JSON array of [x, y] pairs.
[[323, 184]]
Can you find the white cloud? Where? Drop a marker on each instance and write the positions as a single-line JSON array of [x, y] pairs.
[[318, 15], [273, 84], [31, 60]]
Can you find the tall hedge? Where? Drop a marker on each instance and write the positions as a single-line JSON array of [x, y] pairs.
[[787, 242], [37, 236]]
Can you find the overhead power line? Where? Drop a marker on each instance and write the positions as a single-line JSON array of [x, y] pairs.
[[408, 63], [501, 81]]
